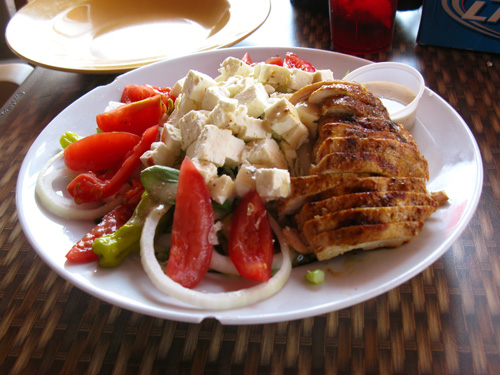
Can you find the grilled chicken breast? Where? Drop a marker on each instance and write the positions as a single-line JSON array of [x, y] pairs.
[[367, 186]]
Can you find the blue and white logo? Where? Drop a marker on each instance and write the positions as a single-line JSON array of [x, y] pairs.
[[480, 16]]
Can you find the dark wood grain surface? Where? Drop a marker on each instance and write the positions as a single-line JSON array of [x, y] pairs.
[[446, 320]]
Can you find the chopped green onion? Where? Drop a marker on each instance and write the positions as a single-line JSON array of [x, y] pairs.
[[315, 277]]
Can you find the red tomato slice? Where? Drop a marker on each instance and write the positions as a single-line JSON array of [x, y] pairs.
[[99, 151], [82, 252], [276, 60], [251, 239], [246, 59], [293, 61], [134, 93], [134, 117], [191, 250]]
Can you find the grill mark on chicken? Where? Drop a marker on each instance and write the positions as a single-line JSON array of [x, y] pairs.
[[369, 162], [319, 187], [332, 243], [364, 216], [363, 199], [348, 106], [386, 146]]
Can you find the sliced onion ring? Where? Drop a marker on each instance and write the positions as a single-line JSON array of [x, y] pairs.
[[65, 206], [214, 301]]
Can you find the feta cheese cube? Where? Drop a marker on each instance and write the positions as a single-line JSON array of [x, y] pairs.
[[113, 105], [254, 98], [283, 119], [299, 79], [235, 85], [265, 153], [323, 75], [222, 189], [252, 129], [184, 104], [309, 116], [272, 183], [177, 87], [196, 84], [245, 179], [167, 151], [228, 114], [213, 95], [207, 170], [217, 146], [232, 66], [274, 75], [191, 125]]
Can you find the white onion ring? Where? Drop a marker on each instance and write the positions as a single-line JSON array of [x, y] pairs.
[[66, 206], [215, 301]]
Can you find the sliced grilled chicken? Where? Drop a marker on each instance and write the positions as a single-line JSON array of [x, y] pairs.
[[319, 187], [370, 162], [330, 244], [363, 199], [364, 216]]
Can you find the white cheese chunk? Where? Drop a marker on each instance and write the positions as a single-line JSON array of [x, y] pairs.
[[222, 189], [217, 146], [177, 87], [228, 114], [196, 84], [309, 116], [235, 85], [255, 98], [232, 66], [191, 125], [273, 75], [167, 151], [213, 95], [207, 170], [264, 152], [245, 179], [323, 75], [272, 183], [252, 129], [283, 119], [113, 105]]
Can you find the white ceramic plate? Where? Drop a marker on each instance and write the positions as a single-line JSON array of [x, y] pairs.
[[118, 35], [443, 137]]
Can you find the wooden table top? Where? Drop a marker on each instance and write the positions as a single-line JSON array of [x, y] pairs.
[[446, 320]]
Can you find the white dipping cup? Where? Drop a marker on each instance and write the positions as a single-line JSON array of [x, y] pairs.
[[397, 73]]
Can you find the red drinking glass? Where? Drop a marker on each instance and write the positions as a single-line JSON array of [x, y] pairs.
[[362, 26]]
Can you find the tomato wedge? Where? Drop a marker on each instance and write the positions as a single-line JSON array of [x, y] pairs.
[[191, 250], [90, 187], [251, 239], [100, 151], [134, 117], [293, 61], [134, 93]]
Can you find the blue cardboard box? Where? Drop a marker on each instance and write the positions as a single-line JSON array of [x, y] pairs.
[[465, 24]]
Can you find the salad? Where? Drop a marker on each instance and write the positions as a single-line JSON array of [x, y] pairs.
[[188, 177]]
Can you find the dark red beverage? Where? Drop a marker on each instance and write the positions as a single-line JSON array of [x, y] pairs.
[[362, 26]]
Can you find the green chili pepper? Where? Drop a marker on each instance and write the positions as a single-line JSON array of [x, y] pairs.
[[68, 138], [114, 248]]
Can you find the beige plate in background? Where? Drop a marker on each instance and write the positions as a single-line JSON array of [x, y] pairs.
[[111, 36]]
